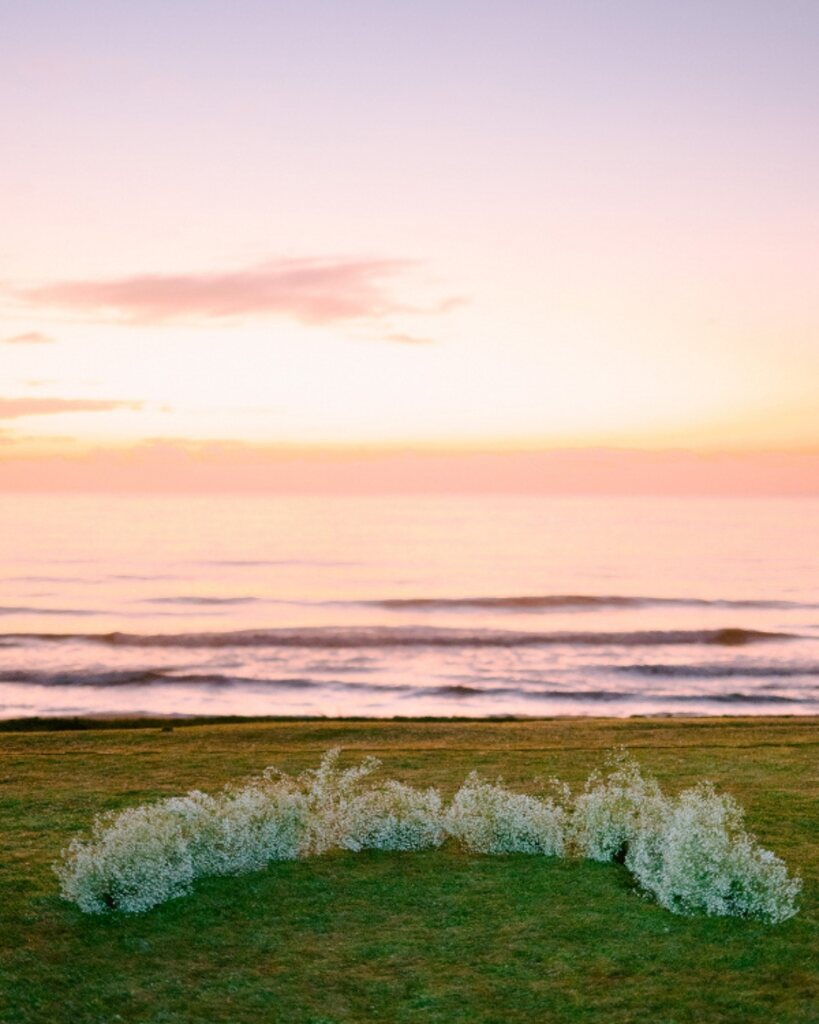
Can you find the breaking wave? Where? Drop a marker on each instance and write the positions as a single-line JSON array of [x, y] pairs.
[[148, 677], [720, 671], [604, 695], [143, 677], [547, 602], [522, 603], [26, 610], [324, 637]]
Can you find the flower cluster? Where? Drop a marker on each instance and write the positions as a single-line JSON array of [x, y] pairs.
[[690, 852], [146, 855], [697, 857], [487, 818], [395, 817], [613, 809]]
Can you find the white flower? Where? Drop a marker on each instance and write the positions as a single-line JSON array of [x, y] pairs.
[[701, 859], [487, 818], [690, 852]]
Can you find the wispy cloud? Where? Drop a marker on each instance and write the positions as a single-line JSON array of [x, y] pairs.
[[308, 290], [28, 338], [408, 339], [12, 439], [14, 408]]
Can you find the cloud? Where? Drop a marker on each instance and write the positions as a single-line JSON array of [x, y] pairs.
[[14, 408], [408, 339], [9, 438], [29, 338], [312, 291]]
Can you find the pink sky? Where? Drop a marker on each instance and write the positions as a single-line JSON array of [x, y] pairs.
[[516, 247]]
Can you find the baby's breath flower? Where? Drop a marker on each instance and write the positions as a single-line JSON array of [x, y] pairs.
[[690, 852]]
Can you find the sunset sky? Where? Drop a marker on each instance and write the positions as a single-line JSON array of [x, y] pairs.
[[532, 245]]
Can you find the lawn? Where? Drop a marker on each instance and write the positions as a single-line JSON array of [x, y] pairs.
[[439, 936]]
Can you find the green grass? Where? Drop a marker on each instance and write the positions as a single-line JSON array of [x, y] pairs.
[[438, 936]]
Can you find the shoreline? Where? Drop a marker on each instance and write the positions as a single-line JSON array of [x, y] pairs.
[[105, 721]]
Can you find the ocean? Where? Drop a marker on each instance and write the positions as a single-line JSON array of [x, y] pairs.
[[383, 606]]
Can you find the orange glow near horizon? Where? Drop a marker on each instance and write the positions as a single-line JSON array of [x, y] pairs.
[[232, 468]]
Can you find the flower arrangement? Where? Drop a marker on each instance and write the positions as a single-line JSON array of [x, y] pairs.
[[690, 852], [488, 818]]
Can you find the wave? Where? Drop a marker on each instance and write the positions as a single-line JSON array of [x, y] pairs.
[[548, 602], [323, 637], [149, 677], [604, 695], [47, 579], [249, 563], [720, 671], [25, 610], [144, 677], [200, 600], [143, 577]]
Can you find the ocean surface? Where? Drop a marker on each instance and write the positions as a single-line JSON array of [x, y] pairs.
[[478, 606]]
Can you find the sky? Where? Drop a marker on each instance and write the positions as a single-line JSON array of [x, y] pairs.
[[435, 245]]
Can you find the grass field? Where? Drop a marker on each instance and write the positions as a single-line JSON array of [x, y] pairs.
[[436, 936]]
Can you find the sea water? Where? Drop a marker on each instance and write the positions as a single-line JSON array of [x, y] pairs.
[[478, 606]]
